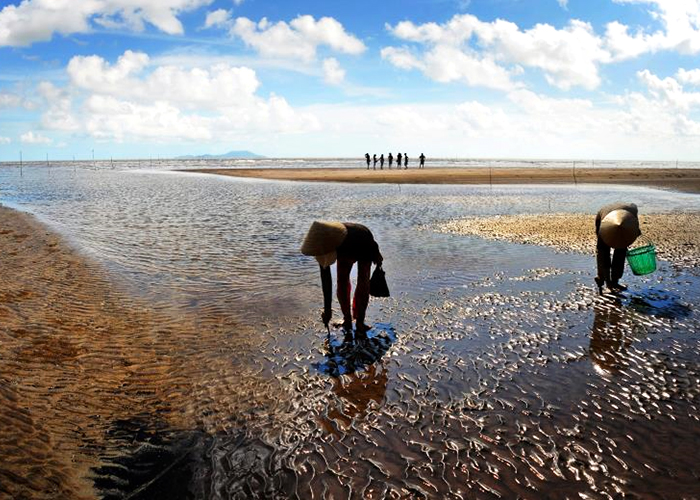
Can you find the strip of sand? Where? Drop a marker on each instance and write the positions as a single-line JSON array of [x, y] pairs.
[[78, 355], [679, 179], [676, 236]]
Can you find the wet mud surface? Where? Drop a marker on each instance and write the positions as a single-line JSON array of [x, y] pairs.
[[495, 370], [501, 390], [506, 389]]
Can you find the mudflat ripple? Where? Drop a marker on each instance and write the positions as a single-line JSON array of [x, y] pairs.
[[179, 353]]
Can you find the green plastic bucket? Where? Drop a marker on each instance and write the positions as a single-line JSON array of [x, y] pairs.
[[642, 260]]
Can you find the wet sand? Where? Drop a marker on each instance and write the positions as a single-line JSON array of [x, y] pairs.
[[81, 360], [525, 386], [679, 179], [676, 236]]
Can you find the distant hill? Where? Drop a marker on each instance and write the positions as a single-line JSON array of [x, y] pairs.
[[230, 154]]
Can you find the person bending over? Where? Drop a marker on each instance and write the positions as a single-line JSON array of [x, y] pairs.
[[348, 243], [616, 227]]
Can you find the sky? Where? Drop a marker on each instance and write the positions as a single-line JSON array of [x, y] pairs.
[[559, 79]]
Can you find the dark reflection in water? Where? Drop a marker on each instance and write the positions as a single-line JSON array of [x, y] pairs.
[[350, 355], [154, 463], [610, 335], [615, 325]]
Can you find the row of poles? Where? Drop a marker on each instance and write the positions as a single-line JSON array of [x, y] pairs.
[[48, 163]]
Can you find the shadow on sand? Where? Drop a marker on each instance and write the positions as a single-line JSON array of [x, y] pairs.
[[657, 302]]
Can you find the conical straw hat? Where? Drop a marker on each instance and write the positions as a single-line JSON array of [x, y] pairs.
[[323, 237], [619, 229]]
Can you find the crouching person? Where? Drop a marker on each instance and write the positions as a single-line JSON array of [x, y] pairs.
[[347, 243], [616, 227]]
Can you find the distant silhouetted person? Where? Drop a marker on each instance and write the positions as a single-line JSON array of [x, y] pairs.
[[405, 161], [367, 158], [422, 161], [616, 227], [347, 243], [398, 160], [381, 162], [374, 165], [391, 159]]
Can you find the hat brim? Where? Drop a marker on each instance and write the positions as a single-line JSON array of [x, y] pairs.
[[323, 238], [619, 229]]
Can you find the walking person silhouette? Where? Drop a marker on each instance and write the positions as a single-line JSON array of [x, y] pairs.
[[391, 160], [367, 158], [405, 161]]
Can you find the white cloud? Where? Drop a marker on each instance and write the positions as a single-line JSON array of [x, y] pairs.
[[109, 118], [58, 114], [130, 99], [447, 64], [563, 3], [476, 52], [218, 18], [401, 57], [5, 140], [38, 20], [691, 77], [15, 100], [680, 20], [332, 71], [525, 124], [669, 91], [211, 88], [9, 100], [32, 138], [300, 39]]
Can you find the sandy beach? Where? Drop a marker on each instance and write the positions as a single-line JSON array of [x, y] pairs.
[[78, 354], [687, 180], [676, 236]]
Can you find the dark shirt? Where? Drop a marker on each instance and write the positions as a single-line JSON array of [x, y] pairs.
[[359, 244]]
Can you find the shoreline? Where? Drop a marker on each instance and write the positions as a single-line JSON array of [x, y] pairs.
[[686, 180], [79, 354]]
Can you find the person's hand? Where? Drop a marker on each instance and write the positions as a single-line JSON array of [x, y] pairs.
[[326, 316]]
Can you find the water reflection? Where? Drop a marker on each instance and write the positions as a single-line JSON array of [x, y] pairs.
[[610, 335], [618, 318], [354, 395], [348, 356]]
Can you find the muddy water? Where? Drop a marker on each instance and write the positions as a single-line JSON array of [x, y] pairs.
[[494, 370]]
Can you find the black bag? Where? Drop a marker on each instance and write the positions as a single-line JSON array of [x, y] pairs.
[[377, 283]]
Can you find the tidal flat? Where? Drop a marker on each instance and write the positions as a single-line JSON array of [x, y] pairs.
[[161, 338]]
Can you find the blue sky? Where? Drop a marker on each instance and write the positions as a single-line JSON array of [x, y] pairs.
[[581, 79]]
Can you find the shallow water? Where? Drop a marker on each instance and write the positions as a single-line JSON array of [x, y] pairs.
[[493, 370]]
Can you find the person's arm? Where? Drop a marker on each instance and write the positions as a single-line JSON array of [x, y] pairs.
[[327, 285], [378, 259]]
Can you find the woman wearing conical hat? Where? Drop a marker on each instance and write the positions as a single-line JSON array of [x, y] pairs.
[[616, 227], [347, 243]]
